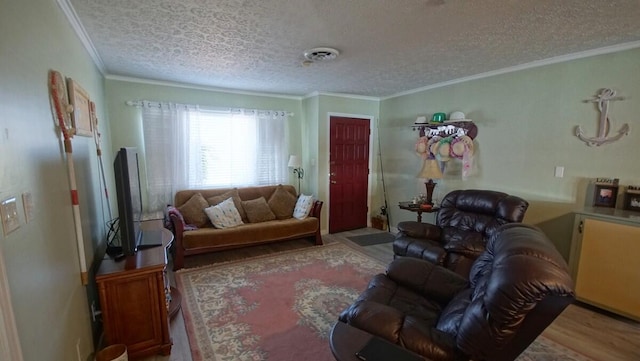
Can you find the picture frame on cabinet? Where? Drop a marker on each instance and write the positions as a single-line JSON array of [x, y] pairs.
[[605, 196], [81, 116], [632, 198]]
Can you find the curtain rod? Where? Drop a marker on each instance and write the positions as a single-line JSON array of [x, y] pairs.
[[155, 104]]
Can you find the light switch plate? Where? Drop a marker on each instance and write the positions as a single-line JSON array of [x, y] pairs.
[[559, 172], [9, 213]]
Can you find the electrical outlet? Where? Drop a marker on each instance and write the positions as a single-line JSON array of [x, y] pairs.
[[9, 214]]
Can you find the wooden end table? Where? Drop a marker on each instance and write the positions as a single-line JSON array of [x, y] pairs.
[[415, 207]]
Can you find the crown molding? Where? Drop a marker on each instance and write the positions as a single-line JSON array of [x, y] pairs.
[[534, 64], [198, 87], [341, 95], [75, 23]]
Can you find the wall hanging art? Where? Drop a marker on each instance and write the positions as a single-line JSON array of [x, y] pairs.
[[602, 100]]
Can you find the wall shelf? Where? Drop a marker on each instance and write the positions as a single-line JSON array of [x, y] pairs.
[[447, 128]]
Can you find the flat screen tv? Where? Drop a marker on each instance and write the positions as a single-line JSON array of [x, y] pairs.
[[129, 196]]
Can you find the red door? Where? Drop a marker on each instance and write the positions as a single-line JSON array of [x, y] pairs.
[[349, 173]]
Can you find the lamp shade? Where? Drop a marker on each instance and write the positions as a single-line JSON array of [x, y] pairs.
[[294, 162], [430, 170]]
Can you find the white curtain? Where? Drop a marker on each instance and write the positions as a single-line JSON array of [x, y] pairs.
[[192, 147]]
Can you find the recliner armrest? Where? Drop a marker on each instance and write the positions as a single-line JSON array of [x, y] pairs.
[[420, 230], [427, 279], [471, 246]]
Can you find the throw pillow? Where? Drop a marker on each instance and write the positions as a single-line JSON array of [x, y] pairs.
[[224, 215], [258, 210], [303, 207], [282, 203], [215, 200], [193, 210]]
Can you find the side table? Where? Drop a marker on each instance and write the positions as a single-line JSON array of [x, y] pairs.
[[415, 207]]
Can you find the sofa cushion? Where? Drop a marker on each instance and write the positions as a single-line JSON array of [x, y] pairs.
[[282, 203], [193, 210], [215, 200], [224, 215], [258, 210], [250, 233], [303, 206]]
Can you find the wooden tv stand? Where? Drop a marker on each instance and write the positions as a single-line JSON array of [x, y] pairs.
[[136, 299]]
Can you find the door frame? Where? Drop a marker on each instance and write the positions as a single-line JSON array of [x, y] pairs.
[[373, 134]]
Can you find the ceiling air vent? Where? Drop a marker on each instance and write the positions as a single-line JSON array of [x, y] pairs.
[[321, 54]]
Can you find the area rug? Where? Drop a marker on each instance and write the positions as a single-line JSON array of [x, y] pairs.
[[373, 239], [281, 307]]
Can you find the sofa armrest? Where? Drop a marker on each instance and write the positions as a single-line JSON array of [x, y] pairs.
[[316, 208], [175, 222], [419, 230], [426, 278], [316, 211]]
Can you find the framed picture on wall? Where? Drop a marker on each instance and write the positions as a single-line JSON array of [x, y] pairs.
[[632, 198], [80, 118]]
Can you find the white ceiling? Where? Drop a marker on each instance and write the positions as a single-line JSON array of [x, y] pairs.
[[387, 47]]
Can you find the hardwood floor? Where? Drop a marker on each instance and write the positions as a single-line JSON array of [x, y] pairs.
[[597, 334]]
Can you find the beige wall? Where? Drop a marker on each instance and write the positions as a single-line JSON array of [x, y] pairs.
[[526, 123], [42, 264]]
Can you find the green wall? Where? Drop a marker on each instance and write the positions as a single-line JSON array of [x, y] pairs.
[[50, 303], [342, 106], [126, 120], [526, 121], [308, 127]]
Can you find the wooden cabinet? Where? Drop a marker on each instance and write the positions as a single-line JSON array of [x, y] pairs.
[[605, 254], [134, 296]]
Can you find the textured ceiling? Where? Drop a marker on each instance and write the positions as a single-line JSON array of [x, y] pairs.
[[387, 47]]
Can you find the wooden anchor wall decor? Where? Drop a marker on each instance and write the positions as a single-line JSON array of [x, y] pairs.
[[602, 99]]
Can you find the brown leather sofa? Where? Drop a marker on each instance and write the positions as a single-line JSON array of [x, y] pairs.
[[466, 219], [515, 289], [189, 240]]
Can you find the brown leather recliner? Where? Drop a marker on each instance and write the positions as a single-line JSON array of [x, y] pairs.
[[466, 219], [515, 289]]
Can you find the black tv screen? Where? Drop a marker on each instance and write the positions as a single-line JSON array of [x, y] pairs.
[[129, 196]]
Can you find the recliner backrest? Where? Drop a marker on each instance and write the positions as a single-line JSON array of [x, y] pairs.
[[518, 286], [481, 211]]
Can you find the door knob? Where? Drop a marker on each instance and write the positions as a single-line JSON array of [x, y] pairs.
[[333, 182]]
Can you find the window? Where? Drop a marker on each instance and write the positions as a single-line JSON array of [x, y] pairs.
[[190, 147]]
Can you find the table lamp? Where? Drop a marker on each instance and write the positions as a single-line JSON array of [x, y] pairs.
[[294, 162], [430, 170]]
